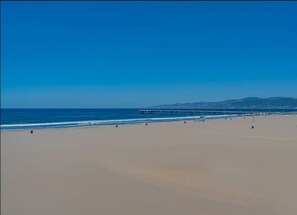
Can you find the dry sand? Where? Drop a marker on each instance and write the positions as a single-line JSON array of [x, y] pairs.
[[213, 167]]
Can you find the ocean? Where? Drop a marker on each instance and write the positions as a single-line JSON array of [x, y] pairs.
[[48, 118], [45, 118]]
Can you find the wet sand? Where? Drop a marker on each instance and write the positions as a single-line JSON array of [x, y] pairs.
[[212, 167]]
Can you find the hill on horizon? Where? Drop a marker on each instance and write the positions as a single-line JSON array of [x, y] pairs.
[[249, 102]]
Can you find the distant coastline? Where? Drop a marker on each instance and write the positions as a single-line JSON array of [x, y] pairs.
[[245, 103]]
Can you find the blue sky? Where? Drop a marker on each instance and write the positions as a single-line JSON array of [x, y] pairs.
[[137, 54]]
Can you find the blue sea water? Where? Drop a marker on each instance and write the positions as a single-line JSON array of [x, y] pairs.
[[45, 118], [14, 116]]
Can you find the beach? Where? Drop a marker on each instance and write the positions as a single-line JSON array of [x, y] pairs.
[[220, 166]]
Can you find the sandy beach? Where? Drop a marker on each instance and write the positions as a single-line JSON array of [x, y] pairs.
[[212, 167]]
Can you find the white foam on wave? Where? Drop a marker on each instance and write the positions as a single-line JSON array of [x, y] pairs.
[[108, 122]]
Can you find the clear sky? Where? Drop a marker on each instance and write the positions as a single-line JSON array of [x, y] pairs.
[[137, 54]]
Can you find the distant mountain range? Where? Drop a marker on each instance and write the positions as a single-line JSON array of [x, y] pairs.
[[250, 102]]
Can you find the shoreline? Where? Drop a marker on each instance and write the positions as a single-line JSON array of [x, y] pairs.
[[95, 123], [107, 122]]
